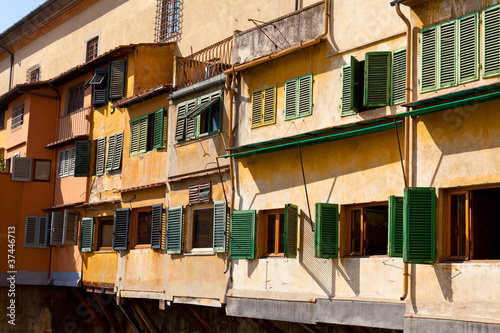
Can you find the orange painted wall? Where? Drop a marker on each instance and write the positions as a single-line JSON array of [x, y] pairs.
[[16, 138]]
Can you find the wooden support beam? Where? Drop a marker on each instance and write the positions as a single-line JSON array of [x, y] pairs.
[[111, 317], [185, 310], [91, 311], [268, 326], [310, 328], [151, 327], [201, 319]]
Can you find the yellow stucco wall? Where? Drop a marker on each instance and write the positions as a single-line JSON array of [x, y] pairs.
[[99, 267]]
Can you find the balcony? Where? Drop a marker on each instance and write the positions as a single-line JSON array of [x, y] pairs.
[[72, 126], [204, 64]]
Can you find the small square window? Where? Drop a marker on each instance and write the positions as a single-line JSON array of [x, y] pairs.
[[106, 233], [203, 228], [42, 170], [92, 49], [33, 74]]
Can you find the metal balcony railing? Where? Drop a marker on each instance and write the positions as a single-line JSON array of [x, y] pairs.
[[74, 125], [204, 64]]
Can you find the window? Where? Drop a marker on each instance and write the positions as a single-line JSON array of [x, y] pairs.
[[105, 233], [200, 192], [115, 151], [64, 228], [264, 106], [473, 224], [33, 74], [2, 119], [147, 132], [203, 228], [168, 19], [37, 231], [143, 226], [449, 53], [17, 116], [298, 97], [379, 80], [275, 231], [42, 170], [199, 117], [66, 162], [99, 82], [92, 49], [368, 230], [75, 102]]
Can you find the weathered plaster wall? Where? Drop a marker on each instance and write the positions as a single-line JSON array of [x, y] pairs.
[[153, 65]]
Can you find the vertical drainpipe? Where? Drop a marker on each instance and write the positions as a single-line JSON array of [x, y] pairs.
[[11, 65], [230, 89], [408, 122]]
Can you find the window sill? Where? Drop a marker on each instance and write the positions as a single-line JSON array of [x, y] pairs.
[[201, 252], [200, 138], [142, 247], [104, 250]]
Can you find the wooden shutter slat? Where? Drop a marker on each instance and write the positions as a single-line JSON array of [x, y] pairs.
[[326, 231], [220, 225], [158, 129], [447, 59], [269, 107], [60, 168], [242, 234], [291, 227], [100, 156], [120, 229], [134, 136], [377, 78], [350, 88], [117, 79], [82, 149], [42, 231], [72, 160], [21, 169], [395, 227], [57, 227], [428, 79], [305, 95], [87, 234], [257, 99], [173, 237], [181, 122], [156, 226], [70, 227], [419, 234], [291, 99], [468, 48], [399, 76], [491, 41], [31, 231], [190, 122], [143, 135], [117, 156], [111, 152]]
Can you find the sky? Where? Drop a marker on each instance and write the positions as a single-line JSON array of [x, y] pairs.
[[13, 11]]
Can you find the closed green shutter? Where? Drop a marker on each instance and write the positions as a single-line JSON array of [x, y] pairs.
[[156, 226], [158, 129], [491, 41], [82, 158], [191, 122], [305, 95], [398, 76], [111, 152], [326, 236], [56, 229], [143, 134], [242, 234], [220, 224], [117, 81], [468, 48], [419, 225], [181, 122], [86, 234], [135, 131], [120, 229], [100, 156], [257, 102], [290, 99], [291, 227], [447, 54], [428, 53], [395, 228], [377, 78], [174, 229], [117, 156], [350, 88]]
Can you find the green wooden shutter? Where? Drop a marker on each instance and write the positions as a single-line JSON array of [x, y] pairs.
[[468, 48], [117, 156], [399, 76], [269, 109], [111, 152], [291, 226], [491, 41], [191, 122], [135, 131], [447, 54], [428, 54], [291, 99], [30, 231], [82, 158], [174, 229], [86, 234], [100, 91], [181, 122], [395, 228], [156, 226], [100, 156], [242, 234], [377, 78], [158, 129], [220, 224], [117, 80], [120, 229], [143, 134], [257, 103], [350, 88], [305, 84], [326, 233], [419, 225], [56, 230]]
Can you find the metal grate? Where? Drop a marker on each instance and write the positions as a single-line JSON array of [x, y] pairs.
[[33, 74], [92, 49], [168, 20]]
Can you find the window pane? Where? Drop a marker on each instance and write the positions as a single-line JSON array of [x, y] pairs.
[[215, 114], [144, 228], [106, 233], [457, 214], [42, 170], [203, 228], [356, 231], [271, 233], [376, 230], [281, 245]]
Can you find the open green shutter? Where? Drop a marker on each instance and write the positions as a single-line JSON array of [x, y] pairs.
[[143, 134], [220, 224], [82, 158], [86, 234], [491, 41], [111, 152], [468, 48], [242, 234], [120, 229], [174, 229], [269, 105], [398, 76], [181, 122], [305, 95], [326, 233], [350, 88], [191, 122], [395, 228], [156, 226], [291, 99], [100, 91], [158, 129], [428, 54], [117, 156], [291, 226], [419, 225], [117, 80], [100, 156], [447, 54], [377, 78]]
